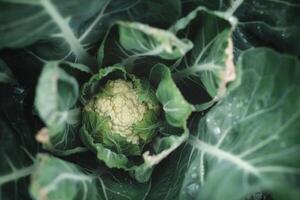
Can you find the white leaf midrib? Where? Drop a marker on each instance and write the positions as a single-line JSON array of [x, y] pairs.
[[223, 155], [67, 33], [61, 177], [16, 174]]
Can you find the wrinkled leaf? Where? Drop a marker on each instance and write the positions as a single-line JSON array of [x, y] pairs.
[[47, 19], [210, 62], [64, 30], [143, 40], [249, 141], [65, 180], [176, 108], [57, 108], [131, 43], [261, 23], [269, 23]]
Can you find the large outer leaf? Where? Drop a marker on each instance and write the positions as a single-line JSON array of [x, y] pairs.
[[210, 60], [44, 18], [176, 108], [57, 179], [250, 140], [131, 43], [269, 23], [261, 22], [168, 176], [68, 29], [56, 96], [142, 40]]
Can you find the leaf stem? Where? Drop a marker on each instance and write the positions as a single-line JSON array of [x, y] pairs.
[[181, 74], [17, 174], [223, 155], [67, 33], [234, 6], [69, 151]]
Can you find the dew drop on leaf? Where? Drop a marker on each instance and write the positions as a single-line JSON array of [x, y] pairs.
[[194, 175], [192, 189], [217, 130], [282, 144]]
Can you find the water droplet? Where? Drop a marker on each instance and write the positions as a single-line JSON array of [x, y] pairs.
[[239, 105], [258, 29], [283, 35], [192, 188], [258, 195], [282, 144], [217, 130], [260, 103], [194, 175]]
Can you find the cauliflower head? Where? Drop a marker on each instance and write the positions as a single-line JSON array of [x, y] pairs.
[[129, 115], [123, 108]]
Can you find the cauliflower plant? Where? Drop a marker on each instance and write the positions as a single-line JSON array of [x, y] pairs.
[[129, 115], [133, 122]]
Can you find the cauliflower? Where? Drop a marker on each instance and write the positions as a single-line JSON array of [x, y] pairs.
[[128, 112], [124, 123], [123, 108]]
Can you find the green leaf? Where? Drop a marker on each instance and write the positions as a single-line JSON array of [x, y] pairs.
[[131, 43], [56, 97], [111, 158], [64, 180], [249, 141], [92, 87], [77, 66], [211, 59], [47, 18], [143, 40], [64, 30], [260, 23], [176, 108], [57, 179], [269, 23], [94, 124]]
